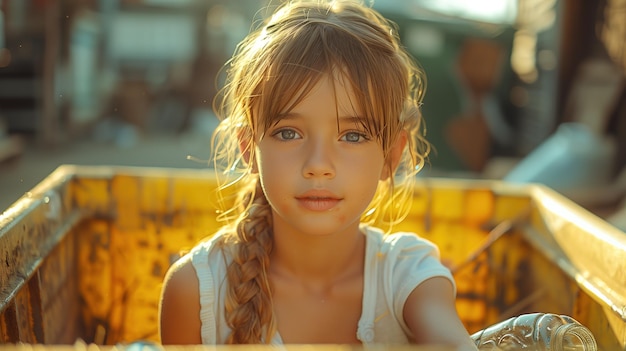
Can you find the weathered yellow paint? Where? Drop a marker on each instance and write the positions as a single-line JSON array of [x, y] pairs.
[[478, 207], [90, 245]]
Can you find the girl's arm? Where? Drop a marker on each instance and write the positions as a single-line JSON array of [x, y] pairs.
[[430, 312], [179, 308]]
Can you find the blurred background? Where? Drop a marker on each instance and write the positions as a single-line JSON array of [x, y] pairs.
[[519, 90]]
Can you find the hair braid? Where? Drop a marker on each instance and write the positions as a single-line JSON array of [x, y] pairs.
[[249, 300]]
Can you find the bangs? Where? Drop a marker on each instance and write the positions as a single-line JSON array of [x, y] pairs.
[[318, 47]]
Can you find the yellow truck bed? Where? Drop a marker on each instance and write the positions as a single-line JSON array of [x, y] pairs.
[[83, 255]]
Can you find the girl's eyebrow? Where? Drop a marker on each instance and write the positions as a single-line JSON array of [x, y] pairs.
[[288, 115], [344, 118], [353, 119]]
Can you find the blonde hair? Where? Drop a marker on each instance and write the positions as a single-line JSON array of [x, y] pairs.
[[272, 70]]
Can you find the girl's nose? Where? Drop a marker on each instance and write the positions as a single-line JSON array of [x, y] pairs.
[[319, 160]]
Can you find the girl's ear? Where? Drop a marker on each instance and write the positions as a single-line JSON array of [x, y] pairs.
[[395, 155], [244, 138]]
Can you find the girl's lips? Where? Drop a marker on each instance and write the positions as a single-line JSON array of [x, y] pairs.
[[318, 200], [318, 204]]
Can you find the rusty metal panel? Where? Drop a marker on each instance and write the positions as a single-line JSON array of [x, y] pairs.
[[92, 194], [30, 235], [124, 255], [103, 238], [8, 325], [59, 294], [94, 276], [21, 320], [21, 317], [29, 230]]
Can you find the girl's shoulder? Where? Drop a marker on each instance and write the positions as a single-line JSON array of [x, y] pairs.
[[208, 245], [197, 266], [397, 241], [179, 304], [184, 271], [181, 273], [210, 254]]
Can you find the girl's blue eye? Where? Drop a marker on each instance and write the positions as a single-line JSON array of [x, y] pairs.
[[354, 137], [286, 134]]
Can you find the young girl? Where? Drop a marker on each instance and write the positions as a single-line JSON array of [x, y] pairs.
[[322, 130]]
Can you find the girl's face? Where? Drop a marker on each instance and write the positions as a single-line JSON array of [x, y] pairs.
[[318, 166]]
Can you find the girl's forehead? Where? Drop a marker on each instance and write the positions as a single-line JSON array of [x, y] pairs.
[[332, 88], [332, 91]]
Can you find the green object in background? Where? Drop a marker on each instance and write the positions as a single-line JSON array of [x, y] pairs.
[[435, 43], [441, 103]]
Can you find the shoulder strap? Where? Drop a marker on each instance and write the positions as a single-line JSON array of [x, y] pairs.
[[365, 329], [200, 261]]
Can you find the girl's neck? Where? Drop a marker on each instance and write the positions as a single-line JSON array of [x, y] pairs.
[[322, 259]]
